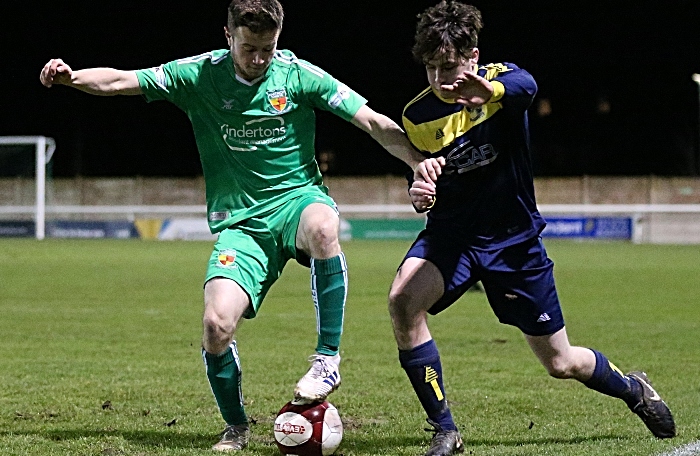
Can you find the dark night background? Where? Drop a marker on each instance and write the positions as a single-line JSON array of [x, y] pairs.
[[617, 75]]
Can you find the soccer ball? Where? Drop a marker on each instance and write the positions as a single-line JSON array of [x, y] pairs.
[[308, 429]]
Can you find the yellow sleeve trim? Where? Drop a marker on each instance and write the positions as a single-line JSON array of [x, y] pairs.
[[498, 91]]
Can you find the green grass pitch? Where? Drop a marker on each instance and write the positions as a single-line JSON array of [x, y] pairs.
[[100, 353]]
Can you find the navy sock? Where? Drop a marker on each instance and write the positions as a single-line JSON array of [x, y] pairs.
[[608, 379], [424, 370]]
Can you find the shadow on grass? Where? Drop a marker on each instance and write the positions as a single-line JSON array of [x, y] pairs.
[[369, 445], [545, 441], [145, 438], [261, 444], [264, 444]]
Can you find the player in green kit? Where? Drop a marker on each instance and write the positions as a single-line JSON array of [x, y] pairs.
[[252, 111]]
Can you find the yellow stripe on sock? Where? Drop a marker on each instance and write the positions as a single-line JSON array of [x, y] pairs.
[[436, 388], [615, 368]]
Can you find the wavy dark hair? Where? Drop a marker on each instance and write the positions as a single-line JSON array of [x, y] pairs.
[[449, 26], [258, 15]]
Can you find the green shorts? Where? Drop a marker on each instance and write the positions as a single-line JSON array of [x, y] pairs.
[[254, 251]]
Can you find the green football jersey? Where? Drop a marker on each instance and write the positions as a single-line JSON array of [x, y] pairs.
[[255, 141]]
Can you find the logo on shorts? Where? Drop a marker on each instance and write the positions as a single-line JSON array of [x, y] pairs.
[[226, 258], [278, 100], [544, 317]]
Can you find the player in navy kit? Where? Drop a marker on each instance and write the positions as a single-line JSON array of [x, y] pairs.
[[483, 225]]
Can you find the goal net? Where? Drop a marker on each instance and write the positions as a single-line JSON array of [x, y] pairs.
[[25, 183]]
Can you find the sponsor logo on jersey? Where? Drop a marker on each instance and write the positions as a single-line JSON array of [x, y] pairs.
[[226, 258], [466, 157], [218, 216], [256, 132], [278, 100], [476, 114], [161, 81], [343, 93], [439, 134], [228, 104]]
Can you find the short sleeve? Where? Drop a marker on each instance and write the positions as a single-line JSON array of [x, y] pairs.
[[171, 81], [325, 92]]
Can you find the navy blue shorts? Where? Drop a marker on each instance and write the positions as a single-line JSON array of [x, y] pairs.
[[518, 280]]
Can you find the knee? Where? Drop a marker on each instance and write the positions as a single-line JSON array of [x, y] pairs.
[[323, 235], [400, 308], [217, 330], [560, 367]]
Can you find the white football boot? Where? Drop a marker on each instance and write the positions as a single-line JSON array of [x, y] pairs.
[[233, 438], [321, 380]]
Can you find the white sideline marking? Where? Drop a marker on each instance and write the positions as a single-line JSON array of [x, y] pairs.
[[686, 450]]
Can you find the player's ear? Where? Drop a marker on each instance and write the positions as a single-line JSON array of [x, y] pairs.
[[229, 38], [475, 56]]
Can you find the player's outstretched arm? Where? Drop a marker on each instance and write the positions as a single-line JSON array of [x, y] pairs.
[[392, 138], [470, 90], [95, 81]]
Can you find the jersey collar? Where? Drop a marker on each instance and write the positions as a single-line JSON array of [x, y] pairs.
[[248, 83], [446, 100], [232, 72]]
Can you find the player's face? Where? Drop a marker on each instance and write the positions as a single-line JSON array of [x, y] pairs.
[[251, 52], [445, 68]]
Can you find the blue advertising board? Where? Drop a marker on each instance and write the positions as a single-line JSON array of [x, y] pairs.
[[91, 230], [16, 229], [589, 227]]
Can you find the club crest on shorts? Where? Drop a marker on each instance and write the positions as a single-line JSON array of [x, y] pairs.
[[278, 100], [226, 258]]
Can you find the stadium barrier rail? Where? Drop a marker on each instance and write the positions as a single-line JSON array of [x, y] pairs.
[[649, 223]]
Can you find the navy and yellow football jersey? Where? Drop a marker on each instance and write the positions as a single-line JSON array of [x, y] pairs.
[[485, 196]]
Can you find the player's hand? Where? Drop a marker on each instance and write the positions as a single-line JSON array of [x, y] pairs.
[[422, 195], [56, 71], [470, 90], [429, 170]]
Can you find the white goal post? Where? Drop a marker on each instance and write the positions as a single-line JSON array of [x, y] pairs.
[[44, 148]]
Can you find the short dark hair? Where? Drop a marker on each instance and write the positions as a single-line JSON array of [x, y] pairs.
[[258, 15], [449, 26]]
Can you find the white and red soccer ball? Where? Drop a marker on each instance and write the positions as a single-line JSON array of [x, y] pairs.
[[308, 429]]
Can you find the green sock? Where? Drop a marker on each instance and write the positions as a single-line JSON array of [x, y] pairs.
[[329, 287], [224, 374]]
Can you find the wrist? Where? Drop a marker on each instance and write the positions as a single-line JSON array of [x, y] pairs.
[[424, 209], [498, 91]]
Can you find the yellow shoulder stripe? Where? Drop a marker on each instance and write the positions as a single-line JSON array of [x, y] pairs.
[[498, 91], [437, 134], [494, 69]]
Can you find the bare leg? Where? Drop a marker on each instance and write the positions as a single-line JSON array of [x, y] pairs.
[[417, 286], [594, 370], [224, 304], [317, 236], [561, 359]]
